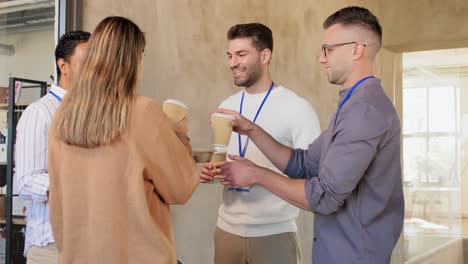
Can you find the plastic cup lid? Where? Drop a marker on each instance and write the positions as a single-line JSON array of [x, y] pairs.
[[224, 116], [219, 148], [197, 151], [173, 101]]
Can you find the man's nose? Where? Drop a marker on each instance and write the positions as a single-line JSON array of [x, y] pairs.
[[322, 58], [233, 62]]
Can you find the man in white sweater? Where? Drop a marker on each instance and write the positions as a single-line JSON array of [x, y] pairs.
[[254, 225]]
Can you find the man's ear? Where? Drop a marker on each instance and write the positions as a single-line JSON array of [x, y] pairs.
[[358, 50], [63, 66], [266, 56]]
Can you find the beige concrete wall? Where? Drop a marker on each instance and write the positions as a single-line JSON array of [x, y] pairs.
[[424, 24], [186, 60], [388, 67]]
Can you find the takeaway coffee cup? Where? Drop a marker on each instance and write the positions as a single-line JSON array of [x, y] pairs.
[[219, 156], [221, 128], [219, 153], [175, 110]]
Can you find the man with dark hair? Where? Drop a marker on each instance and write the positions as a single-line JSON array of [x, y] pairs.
[[31, 150], [350, 176], [254, 225], [64, 52]]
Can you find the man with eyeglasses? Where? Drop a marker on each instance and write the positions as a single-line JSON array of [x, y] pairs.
[[350, 176]]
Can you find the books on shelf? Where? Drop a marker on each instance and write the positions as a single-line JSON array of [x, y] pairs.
[[4, 92]]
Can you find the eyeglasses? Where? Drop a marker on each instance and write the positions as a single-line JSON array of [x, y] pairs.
[[325, 48]]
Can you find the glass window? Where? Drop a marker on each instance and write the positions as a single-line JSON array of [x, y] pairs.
[[27, 45], [441, 111], [414, 114], [435, 125], [27, 40]]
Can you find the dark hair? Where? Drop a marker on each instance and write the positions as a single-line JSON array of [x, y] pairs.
[[355, 16], [67, 44], [261, 35]]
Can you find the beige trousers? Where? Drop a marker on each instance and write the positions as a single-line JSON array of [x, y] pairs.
[[42, 255], [275, 249]]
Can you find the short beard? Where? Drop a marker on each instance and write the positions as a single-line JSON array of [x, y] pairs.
[[252, 78]]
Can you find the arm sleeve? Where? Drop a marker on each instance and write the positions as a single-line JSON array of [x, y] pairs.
[[304, 164], [31, 156], [305, 126], [168, 156], [355, 141]]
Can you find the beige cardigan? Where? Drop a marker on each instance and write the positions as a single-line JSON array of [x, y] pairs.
[[111, 204]]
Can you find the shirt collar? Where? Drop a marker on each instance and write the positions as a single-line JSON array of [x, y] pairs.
[[343, 93], [368, 82], [59, 91]]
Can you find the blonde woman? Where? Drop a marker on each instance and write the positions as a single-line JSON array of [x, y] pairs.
[[116, 161]]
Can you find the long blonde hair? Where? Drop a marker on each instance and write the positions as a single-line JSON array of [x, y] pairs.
[[96, 111]]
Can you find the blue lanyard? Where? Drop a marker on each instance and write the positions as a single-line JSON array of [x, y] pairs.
[[56, 96], [352, 90], [243, 150]]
